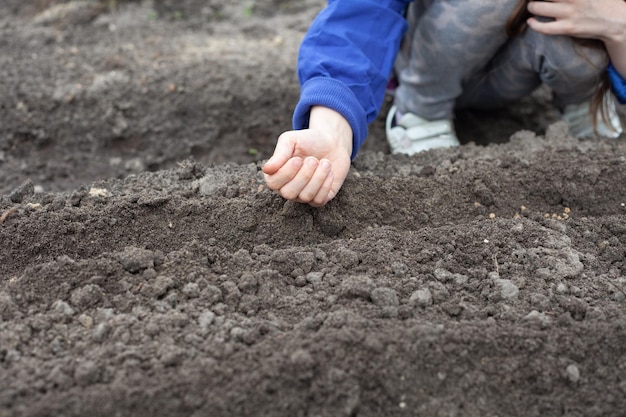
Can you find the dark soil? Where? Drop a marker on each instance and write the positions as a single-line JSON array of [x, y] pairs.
[[145, 270]]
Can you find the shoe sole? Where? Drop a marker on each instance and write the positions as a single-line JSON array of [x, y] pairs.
[[401, 143]]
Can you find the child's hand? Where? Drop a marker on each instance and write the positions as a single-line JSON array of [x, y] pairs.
[[310, 165]]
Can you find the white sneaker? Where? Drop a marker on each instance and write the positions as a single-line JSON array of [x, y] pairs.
[[412, 134], [578, 117]]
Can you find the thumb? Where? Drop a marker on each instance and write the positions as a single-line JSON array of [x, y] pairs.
[[285, 147]]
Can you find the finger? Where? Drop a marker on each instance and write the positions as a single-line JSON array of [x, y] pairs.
[[555, 27], [285, 174], [284, 150], [313, 187], [292, 189], [551, 9], [326, 193]]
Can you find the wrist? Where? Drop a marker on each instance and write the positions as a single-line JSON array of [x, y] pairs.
[[333, 124]]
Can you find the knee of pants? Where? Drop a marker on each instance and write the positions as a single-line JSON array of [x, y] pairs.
[[567, 61]]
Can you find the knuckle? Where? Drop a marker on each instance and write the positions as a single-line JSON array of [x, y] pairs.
[[569, 28], [306, 196], [288, 194], [286, 137], [271, 183], [287, 134], [321, 198]]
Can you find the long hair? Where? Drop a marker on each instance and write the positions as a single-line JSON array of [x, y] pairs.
[[516, 25]]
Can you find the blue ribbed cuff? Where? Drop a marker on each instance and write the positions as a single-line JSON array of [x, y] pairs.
[[332, 93], [617, 84]]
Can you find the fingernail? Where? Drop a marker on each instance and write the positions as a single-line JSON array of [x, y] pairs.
[[297, 162], [325, 164], [312, 162]]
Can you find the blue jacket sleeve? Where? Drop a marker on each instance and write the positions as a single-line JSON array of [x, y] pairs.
[[618, 84], [345, 60]]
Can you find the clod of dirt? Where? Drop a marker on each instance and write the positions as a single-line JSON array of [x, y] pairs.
[[22, 192]]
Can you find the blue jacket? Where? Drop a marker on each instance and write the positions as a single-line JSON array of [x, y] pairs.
[[618, 84], [347, 56]]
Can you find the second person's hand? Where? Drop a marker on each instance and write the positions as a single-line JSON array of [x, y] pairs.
[[604, 20]]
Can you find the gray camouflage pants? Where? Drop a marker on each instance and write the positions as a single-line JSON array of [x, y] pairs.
[[456, 54]]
